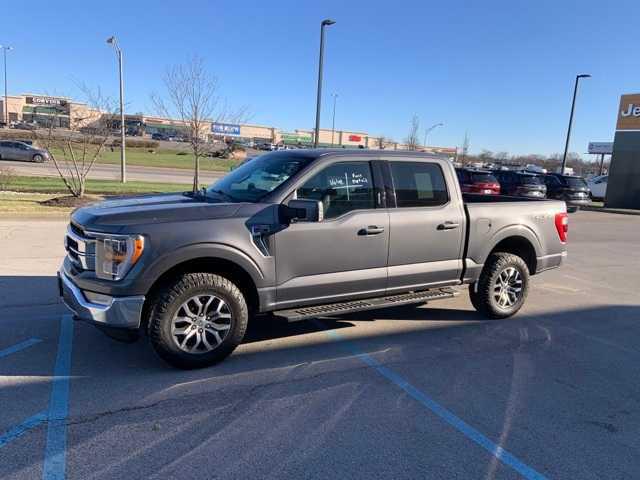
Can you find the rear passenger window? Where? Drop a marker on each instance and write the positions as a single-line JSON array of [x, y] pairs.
[[341, 187], [418, 184]]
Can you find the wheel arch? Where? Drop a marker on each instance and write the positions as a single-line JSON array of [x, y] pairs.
[[518, 245]]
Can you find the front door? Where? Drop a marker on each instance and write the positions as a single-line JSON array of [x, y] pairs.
[[427, 227], [345, 254]]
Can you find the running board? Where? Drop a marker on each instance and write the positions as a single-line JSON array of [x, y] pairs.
[[301, 313]]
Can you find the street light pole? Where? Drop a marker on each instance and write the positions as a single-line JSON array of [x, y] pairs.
[[123, 159], [573, 106], [426, 132], [5, 49], [324, 23], [333, 122]]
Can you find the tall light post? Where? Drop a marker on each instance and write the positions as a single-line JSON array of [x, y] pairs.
[[324, 23], [573, 106], [333, 122], [5, 49], [426, 132], [123, 159]]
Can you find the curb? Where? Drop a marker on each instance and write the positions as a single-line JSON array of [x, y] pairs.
[[619, 211]]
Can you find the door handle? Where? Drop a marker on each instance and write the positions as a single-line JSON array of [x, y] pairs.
[[371, 230], [448, 226]]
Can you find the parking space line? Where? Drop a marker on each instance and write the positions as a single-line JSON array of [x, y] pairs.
[[19, 346], [467, 430], [25, 426], [55, 456]]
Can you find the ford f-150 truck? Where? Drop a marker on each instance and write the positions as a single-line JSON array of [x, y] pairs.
[[300, 234]]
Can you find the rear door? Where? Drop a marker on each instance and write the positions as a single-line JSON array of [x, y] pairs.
[[343, 256], [427, 226], [9, 151]]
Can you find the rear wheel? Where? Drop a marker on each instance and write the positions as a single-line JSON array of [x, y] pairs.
[[197, 320], [502, 287]]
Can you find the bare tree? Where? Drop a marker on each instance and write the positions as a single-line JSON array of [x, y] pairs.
[[192, 98], [382, 141], [465, 147], [75, 149], [412, 138]]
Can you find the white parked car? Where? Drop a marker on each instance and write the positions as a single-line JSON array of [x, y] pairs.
[[598, 186]]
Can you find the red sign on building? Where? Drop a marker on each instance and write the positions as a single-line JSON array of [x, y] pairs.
[[355, 138]]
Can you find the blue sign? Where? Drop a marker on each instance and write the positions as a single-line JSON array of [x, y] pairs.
[[225, 129]]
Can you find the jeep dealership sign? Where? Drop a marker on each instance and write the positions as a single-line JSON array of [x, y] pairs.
[[629, 112]]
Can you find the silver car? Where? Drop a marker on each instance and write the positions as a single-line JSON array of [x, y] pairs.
[[12, 150]]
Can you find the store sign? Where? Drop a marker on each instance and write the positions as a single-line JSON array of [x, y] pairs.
[[294, 137], [225, 129], [601, 147], [60, 102], [629, 112], [355, 138]]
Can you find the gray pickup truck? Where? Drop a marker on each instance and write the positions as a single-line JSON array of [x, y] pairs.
[[300, 234]]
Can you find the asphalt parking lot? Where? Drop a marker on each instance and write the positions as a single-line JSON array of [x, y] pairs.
[[414, 392]]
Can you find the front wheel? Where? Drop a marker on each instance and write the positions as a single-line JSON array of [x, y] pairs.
[[197, 320], [38, 158], [502, 287]]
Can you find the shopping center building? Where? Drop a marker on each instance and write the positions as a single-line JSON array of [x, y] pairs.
[[63, 112]]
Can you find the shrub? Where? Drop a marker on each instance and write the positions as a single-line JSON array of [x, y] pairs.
[[7, 177], [136, 143]]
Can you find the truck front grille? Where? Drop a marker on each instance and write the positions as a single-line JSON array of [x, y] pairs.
[[81, 249]]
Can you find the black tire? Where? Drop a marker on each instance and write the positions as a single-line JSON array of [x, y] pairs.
[[482, 294], [572, 209], [38, 158], [169, 299]]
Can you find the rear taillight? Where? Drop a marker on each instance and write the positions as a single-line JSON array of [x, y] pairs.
[[562, 226]]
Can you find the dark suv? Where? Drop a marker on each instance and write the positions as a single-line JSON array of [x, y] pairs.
[[521, 184], [572, 189]]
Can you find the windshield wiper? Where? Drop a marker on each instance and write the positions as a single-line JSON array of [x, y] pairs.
[[224, 195]]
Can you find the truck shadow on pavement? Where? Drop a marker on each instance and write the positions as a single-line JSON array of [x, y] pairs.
[[289, 382]]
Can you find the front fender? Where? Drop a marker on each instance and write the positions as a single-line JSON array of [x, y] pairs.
[[166, 262]]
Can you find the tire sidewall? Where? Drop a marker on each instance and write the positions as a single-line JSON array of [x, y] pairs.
[[38, 158], [167, 347], [485, 301]]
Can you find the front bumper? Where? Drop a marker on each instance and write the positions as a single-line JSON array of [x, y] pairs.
[[116, 312]]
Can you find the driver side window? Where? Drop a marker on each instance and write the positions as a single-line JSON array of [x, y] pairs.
[[341, 187]]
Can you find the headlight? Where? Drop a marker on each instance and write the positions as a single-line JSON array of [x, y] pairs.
[[115, 255]]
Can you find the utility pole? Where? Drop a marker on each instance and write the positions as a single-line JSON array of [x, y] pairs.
[[123, 159], [324, 23], [5, 49], [333, 122], [573, 106]]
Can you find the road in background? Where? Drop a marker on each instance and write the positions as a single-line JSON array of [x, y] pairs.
[[557, 386], [101, 171]]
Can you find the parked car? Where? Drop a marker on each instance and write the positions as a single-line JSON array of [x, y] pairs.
[[521, 184], [160, 137], [478, 181], [14, 150], [300, 234], [570, 188], [22, 125], [598, 187]]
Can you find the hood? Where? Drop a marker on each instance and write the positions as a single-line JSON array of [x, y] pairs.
[[112, 215]]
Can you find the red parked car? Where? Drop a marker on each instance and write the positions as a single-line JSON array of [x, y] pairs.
[[478, 181]]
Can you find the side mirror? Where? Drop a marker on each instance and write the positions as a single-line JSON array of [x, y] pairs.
[[306, 210]]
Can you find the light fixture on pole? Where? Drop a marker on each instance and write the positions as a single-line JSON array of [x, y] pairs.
[[123, 160], [333, 122], [573, 106], [426, 132], [5, 49], [324, 23]]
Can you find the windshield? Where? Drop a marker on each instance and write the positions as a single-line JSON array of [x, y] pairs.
[[531, 180], [576, 182], [480, 177], [259, 176]]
